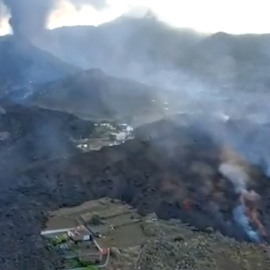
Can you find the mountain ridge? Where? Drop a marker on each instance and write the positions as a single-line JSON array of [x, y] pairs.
[[142, 48], [94, 93]]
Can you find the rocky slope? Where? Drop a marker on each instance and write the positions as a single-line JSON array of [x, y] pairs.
[[29, 134], [93, 93], [168, 163], [176, 246], [202, 251]]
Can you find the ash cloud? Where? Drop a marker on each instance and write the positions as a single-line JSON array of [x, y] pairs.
[[29, 17], [3, 12]]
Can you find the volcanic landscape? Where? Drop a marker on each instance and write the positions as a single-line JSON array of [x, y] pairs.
[[167, 121]]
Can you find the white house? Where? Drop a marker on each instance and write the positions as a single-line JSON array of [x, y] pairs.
[[79, 234], [121, 136]]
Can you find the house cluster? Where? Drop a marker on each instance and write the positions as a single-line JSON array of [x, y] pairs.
[[124, 133], [79, 234], [107, 225], [115, 128], [79, 247], [108, 135]]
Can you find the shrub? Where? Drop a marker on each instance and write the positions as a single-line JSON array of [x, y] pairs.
[[60, 240], [96, 220]]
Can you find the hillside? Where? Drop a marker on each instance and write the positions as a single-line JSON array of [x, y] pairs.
[[29, 134], [168, 163], [147, 242], [93, 93], [188, 192], [25, 65], [202, 251]]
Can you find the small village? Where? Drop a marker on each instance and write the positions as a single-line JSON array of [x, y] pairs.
[[106, 134], [78, 248], [83, 236], [92, 235]]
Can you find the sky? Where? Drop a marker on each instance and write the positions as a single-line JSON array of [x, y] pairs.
[[208, 16], [4, 25]]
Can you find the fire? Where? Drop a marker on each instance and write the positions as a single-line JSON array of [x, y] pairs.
[[246, 211], [250, 200]]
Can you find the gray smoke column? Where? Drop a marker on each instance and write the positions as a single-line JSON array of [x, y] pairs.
[[28, 17], [239, 179]]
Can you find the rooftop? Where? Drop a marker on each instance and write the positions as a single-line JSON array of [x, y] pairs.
[[80, 230]]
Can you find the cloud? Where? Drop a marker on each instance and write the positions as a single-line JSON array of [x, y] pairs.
[[84, 12], [241, 16], [4, 20], [97, 4]]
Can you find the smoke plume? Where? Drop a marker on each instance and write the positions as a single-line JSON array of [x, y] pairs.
[[236, 175], [28, 17], [240, 179]]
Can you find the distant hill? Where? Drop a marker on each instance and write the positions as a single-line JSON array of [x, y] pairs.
[[93, 93], [126, 46], [146, 49], [25, 64], [241, 62]]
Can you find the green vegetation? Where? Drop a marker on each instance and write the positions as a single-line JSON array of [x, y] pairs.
[[59, 240], [87, 265], [91, 267], [73, 263], [95, 220], [84, 264]]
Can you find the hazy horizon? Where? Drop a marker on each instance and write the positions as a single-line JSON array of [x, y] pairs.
[[208, 16]]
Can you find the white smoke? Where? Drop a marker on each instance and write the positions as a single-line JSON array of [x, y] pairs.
[[236, 175], [242, 220], [239, 178], [4, 18]]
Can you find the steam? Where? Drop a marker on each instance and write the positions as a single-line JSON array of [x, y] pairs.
[[239, 179]]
